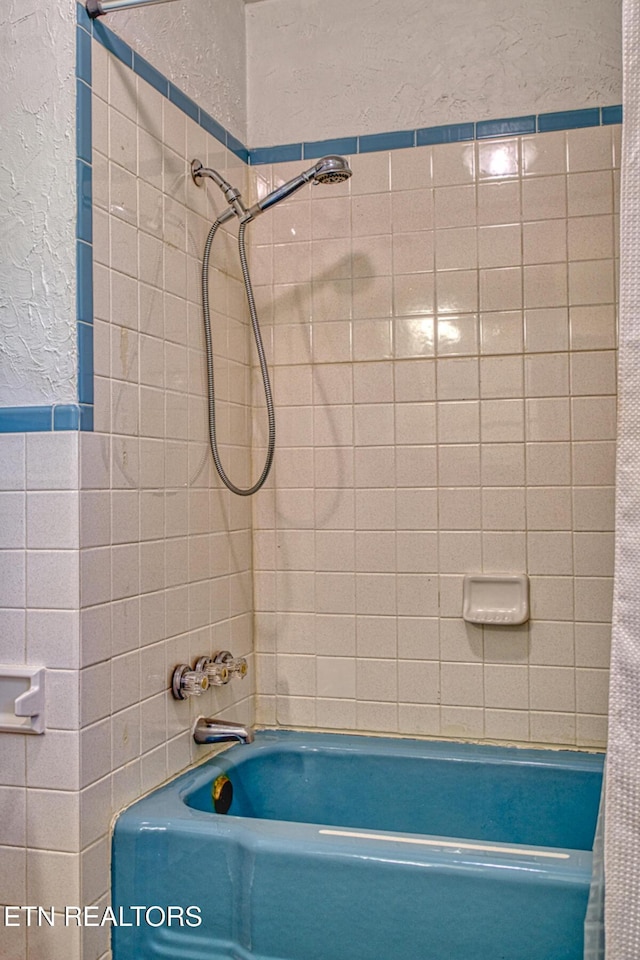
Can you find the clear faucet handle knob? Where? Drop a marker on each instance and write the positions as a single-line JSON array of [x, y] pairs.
[[216, 673], [188, 683], [237, 667]]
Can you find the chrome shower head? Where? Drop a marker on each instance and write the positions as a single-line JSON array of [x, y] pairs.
[[327, 170], [331, 170]]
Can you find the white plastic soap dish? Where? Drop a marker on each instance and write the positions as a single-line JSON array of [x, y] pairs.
[[496, 599]]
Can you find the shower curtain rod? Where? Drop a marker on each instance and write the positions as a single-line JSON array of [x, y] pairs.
[[98, 8]]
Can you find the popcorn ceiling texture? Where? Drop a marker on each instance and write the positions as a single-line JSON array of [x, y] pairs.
[[37, 250], [326, 68]]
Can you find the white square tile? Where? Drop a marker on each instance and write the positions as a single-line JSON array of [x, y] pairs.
[[12, 578], [499, 202], [503, 464], [411, 168], [462, 684], [457, 379], [459, 465], [336, 677], [590, 194], [412, 210], [502, 421], [52, 579], [458, 421], [52, 461], [552, 688], [498, 159], [418, 681], [506, 686], [459, 508], [544, 198], [501, 332], [52, 520], [499, 246], [53, 820], [454, 163], [544, 154], [501, 377], [455, 206]]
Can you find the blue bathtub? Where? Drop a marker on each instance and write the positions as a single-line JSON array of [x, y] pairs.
[[358, 848]]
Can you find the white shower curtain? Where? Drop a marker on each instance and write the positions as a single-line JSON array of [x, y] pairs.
[[622, 818]]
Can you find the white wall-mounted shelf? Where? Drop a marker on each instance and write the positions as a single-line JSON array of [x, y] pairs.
[[21, 699], [496, 599]]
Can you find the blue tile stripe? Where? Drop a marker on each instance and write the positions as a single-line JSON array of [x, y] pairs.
[[149, 73], [324, 148], [514, 127], [447, 133], [450, 133], [612, 114], [79, 416], [569, 119]]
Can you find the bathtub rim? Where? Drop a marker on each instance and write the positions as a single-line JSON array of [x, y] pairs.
[[165, 808]]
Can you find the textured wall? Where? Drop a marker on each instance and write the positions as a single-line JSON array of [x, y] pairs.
[[325, 68], [200, 47], [37, 152]]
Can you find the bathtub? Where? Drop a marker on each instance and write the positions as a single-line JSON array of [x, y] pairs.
[[361, 848]]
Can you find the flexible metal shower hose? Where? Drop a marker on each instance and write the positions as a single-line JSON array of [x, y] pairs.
[[261, 357]]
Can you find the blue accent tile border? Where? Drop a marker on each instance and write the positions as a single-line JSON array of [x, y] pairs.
[[450, 133], [84, 201], [185, 103], [569, 120], [149, 73], [515, 127], [397, 140], [323, 148], [447, 133], [286, 151], [612, 114]]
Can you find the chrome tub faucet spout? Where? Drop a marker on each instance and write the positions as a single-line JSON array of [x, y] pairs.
[[209, 730]]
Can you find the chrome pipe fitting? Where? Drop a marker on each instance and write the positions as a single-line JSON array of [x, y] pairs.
[[232, 194]]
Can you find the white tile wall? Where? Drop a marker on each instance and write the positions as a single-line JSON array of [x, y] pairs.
[[445, 382], [165, 558], [442, 336]]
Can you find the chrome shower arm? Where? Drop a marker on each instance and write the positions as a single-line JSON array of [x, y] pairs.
[[236, 206], [98, 8]]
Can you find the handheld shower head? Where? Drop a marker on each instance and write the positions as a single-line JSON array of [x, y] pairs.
[[331, 170], [327, 170]]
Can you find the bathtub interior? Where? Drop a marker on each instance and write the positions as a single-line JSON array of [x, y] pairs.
[[508, 795], [272, 885]]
